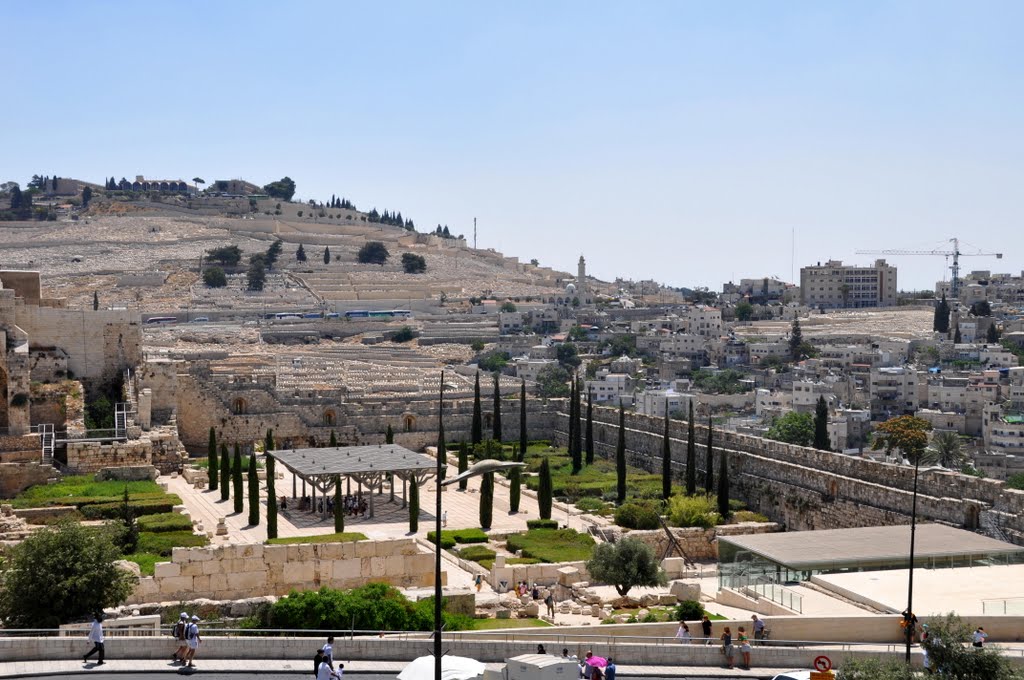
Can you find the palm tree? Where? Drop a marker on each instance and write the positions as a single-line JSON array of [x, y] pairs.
[[945, 450], [197, 181]]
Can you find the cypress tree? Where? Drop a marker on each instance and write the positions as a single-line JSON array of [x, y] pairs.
[[940, 322], [477, 433], [544, 489], [666, 464], [333, 441], [515, 480], [723, 485], [957, 338], [268, 441], [577, 431], [463, 465], [327, 254], [486, 500], [95, 301], [339, 509], [620, 459], [389, 435], [796, 338], [254, 492], [590, 429], [236, 479], [414, 508], [523, 443], [225, 473], [709, 464], [574, 426], [691, 457], [496, 433], [821, 440], [211, 461], [271, 498]]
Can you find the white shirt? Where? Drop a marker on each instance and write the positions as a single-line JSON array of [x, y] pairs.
[[324, 672], [328, 651], [979, 636], [96, 632]]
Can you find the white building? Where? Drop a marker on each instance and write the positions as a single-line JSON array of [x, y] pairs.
[[609, 387], [893, 391], [660, 402], [836, 285]]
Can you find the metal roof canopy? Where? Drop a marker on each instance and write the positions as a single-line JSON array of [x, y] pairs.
[[868, 546], [356, 461]]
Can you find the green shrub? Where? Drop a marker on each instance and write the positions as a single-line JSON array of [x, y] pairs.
[[749, 516], [143, 507], [541, 524], [447, 540], [638, 515], [693, 511], [688, 610], [588, 505], [146, 561], [552, 545], [167, 521], [467, 535], [475, 553], [161, 543], [345, 537], [651, 617]]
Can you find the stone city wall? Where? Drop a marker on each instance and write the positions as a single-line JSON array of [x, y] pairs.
[[237, 571], [156, 449], [16, 477]]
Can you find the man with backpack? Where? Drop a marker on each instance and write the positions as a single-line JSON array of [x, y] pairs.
[[178, 632], [192, 639]]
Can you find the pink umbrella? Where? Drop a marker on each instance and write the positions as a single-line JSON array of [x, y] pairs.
[[598, 661]]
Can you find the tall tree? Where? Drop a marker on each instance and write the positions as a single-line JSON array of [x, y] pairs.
[[709, 461], [574, 425], [463, 465], [992, 334], [225, 473], [523, 443], [496, 421], [300, 254], [268, 441], [86, 196], [211, 460], [957, 338], [271, 498], [620, 459], [544, 489], [691, 456], [414, 507], [254, 492], [236, 479], [821, 440], [389, 435], [577, 430], [590, 429], [333, 441], [477, 433], [723, 485], [327, 254], [515, 480], [486, 500], [796, 339], [666, 463], [95, 301], [339, 506], [940, 322]]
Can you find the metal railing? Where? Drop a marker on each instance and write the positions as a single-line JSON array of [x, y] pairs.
[[759, 587], [1006, 606]]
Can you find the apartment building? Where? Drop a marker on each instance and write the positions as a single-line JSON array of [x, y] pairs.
[[893, 391], [835, 285]]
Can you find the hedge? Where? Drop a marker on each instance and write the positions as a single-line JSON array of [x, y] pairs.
[[553, 545], [541, 524], [450, 537], [82, 501], [163, 542], [113, 510], [475, 553], [166, 521], [638, 515]]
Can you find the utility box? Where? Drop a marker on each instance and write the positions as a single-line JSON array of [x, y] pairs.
[[541, 667]]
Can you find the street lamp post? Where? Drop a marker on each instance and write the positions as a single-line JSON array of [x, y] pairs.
[[910, 582]]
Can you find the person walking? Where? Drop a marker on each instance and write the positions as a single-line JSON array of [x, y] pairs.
[[758, 628], [193, 640], [609, 670], [478, 581], [977, 639], [549, 602], [727, 648], [324, 671], [328, 650], [744, 648], [180, 628], [96, 638], [316, 661], [683, 633], [705, 624], [588, 670]]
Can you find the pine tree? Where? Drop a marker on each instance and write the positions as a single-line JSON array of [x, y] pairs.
[[327, 254], [300, 254], [414, 508], [821, 440], [254, 492], [515, 481], [577, 431], [723, 485], [691, 456], [523, 443], [486, 500], [496, 421], [463, 465], [992, 335], [796, 339], [211, 461], [574, 426], [477, 433], [95, 301], [389, 435], [940, 322], [333, 442], [666, 464], [236, 480], [225, 473], [544, 489], [620, 459], [271, 498], [709, 463], [590, 429], [339, 506]]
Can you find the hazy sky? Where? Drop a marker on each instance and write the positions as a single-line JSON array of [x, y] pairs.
[[681, 141]]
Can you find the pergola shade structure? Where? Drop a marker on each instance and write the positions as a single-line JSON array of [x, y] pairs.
[[367, 465]]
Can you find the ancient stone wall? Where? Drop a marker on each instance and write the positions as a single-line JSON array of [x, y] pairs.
[[237, 571], [159, 449], [16, 477]]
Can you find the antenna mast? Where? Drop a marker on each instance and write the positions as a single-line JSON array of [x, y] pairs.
[[474, 233]]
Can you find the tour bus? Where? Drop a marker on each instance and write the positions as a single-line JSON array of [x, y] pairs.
[[161, 320], [382, 314], [287, 315]]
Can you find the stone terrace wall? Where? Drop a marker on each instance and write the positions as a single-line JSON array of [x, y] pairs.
[[808, 489], [237, 571], [16, 477], [159, 449], [697, 543]]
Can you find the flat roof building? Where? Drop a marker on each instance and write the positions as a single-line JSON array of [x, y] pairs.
[[834, 285]]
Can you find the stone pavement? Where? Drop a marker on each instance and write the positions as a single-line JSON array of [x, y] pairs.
[[22, 669]]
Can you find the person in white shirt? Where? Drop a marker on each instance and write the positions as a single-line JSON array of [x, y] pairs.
[[179, 631], [325, 672], [683, 633], [978, 639], [96, 638], [328, 651], [193, 640]]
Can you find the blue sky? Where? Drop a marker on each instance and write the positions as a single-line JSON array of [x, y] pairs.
[[681, 141]]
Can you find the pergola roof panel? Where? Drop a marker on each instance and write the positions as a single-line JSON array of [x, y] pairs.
[[354, 460]]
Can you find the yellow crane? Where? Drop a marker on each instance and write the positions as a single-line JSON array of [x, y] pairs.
[[956, 253]]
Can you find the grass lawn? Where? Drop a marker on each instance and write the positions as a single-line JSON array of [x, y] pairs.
[[492, 624], [146, 561], [345, 537], [597, 480], [553, 545], [83, 490], [165, 521]]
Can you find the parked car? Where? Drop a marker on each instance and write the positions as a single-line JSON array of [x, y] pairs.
[[201, 319], [793, 675]]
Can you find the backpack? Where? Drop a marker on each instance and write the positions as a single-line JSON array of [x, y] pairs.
[[179, 631]]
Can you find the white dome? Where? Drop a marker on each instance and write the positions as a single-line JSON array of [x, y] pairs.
[[570, 289]]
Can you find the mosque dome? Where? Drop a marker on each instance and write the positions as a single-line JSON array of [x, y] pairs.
[[570, 289]]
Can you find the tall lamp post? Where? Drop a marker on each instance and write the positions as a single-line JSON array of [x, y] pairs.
[[908, 631], [481, 468]]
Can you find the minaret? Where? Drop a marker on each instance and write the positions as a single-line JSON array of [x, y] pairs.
[[581, 277]]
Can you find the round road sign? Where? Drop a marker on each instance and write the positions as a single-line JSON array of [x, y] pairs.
[[822, 663]]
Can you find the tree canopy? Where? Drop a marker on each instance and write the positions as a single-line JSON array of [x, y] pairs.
[[413, 264], [373, 252], [283, 188], [227, 255], [626, 564], [907, 434], [553, 381], [793, 428]]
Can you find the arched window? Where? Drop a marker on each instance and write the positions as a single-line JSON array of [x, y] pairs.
[[409, 420], [329, 417], [239, 407]]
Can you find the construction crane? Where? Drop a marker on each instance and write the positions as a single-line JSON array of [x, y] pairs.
[[955, 254]]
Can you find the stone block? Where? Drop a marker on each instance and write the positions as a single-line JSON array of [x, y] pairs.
[[376, 566], [249, 582], [532, 609], [394, 565], [201, 555], [218, 584], [179, 555], [346, 569], [212, 567], [192, 568], [306, 553], [201, 586], [685, 591], [667, 599], [176, 587], [254, 564], [166, 570], [407, 547], [365, 549], [569, 575], [330, 551], [275, 554]]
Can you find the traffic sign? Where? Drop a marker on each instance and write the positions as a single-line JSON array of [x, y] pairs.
[[822, 675], [822, 663]]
